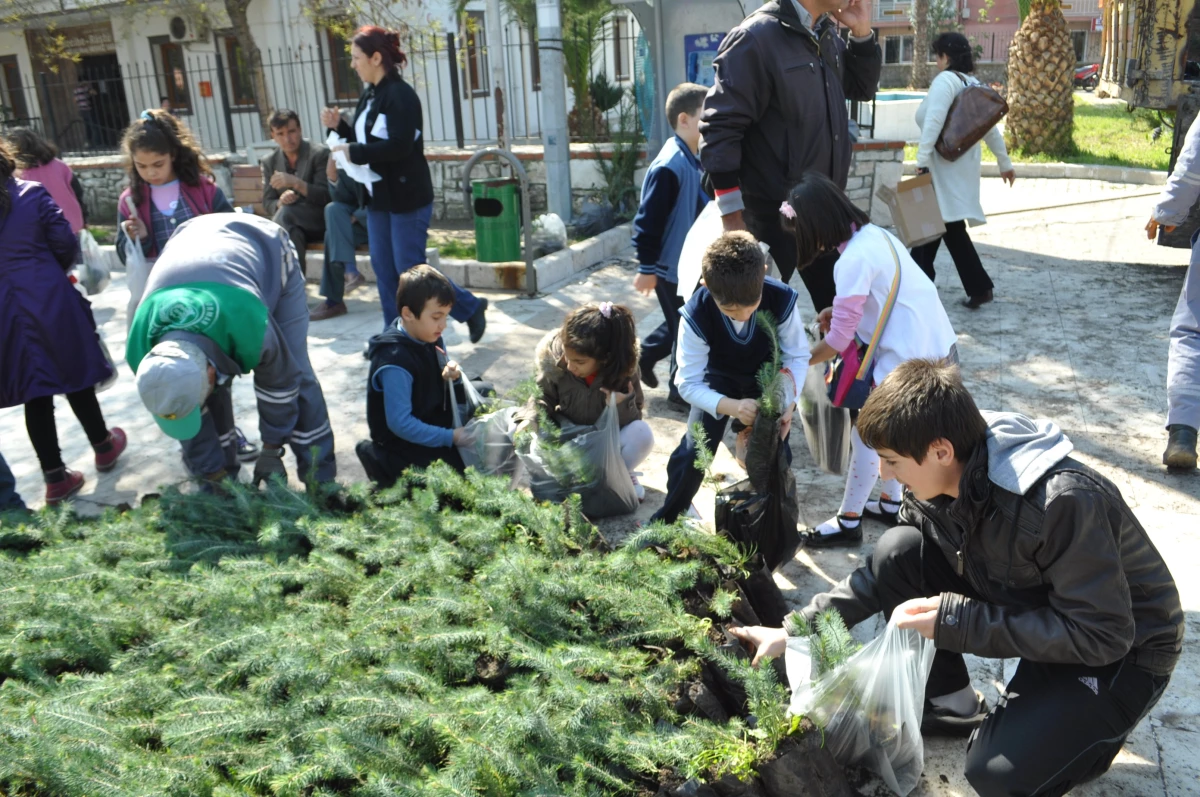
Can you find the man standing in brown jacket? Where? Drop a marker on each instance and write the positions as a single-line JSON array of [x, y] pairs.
[[777, 109]]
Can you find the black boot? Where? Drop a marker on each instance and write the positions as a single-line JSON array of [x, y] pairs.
[[1181, 447]]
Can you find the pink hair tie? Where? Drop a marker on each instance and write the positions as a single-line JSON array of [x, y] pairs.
[[787, 210], [606, 309]]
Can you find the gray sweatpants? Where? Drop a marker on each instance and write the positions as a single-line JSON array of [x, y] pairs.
[[215, 447], [1183, 361]]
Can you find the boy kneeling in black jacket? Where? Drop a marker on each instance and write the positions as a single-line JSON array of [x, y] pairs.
[[1010, 548]]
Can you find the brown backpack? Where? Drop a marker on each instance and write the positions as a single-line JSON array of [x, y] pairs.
[[975, 111]]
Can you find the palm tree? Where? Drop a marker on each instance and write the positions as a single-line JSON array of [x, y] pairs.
[[1041, 61]]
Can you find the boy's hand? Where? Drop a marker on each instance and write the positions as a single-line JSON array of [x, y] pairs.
[[747, 411], [645, 284], [766, 643], [451, 371], [824, 319], [1152, 229], [461, 438], [919, 614]]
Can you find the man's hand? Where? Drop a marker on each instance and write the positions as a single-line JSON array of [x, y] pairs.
[[330, 118], [331, 174], [269, 464], [451, 371], [919, 614], [289, 197], [282, 180], [1009, 177], [785, 422], [855, 15], [766, 643], [733, 221], [1152, 229], [645, 284]]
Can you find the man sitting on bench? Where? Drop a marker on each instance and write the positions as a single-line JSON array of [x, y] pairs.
[[295, 188], [345, 231]]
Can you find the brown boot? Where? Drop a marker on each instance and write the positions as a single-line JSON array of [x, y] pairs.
[[325, 310]]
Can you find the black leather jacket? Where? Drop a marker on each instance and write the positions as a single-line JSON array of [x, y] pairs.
[[1065, 572]]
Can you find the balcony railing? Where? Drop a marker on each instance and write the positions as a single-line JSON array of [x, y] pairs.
[[1073, 9]]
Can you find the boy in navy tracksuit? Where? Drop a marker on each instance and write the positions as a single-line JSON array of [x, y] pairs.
[[672, 198], [721, 347]]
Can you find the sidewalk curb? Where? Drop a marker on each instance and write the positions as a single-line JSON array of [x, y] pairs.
[[1070, 171]]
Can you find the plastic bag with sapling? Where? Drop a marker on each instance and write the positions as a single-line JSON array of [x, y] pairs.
[[870, 704], [826, 427], [489, 447]]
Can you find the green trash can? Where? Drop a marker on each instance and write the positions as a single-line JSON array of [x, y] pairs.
[[497, 205]]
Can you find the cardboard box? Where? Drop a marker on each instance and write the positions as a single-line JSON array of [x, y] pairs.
[[915, 212]]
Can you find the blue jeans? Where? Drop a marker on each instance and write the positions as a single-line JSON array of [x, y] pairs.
[[397, 242], [8, 489], [345, 229]]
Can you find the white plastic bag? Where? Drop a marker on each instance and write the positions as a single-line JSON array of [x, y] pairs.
[[92, 272], [705, 229], [549, 234], [588, 462], [870, 707], [489, 445], [826, 427], [137, 270]]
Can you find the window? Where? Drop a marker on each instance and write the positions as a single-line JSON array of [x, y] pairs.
[[241, 89], [172, 74], [898, 50], [475, 67], [346, 85], [621, 57], [12, 93]]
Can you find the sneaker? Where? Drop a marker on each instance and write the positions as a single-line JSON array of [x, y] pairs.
[[61, 484], [477, 324], [246, 451], [326, 310], [354, 282], [113, 447], [638, 488], [845, 536], [884, 509], [1181, 447], [936, 721]]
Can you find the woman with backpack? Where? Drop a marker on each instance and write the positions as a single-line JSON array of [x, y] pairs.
[[956, 182]]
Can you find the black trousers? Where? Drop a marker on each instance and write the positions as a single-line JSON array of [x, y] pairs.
[[43, 431], [975, 279], [660, 344], [1057, 726], [762, 221], [385, 465]]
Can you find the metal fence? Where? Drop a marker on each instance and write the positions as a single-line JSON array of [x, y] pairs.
[[86, 109]]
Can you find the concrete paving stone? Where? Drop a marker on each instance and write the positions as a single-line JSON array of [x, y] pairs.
[[1077, 334]]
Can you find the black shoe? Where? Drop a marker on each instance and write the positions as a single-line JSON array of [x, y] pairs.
[[941, 722], [246, 451], [477, 324], [845, 536], [975, 302], [1181, 447], [888, 516], [647, 371]]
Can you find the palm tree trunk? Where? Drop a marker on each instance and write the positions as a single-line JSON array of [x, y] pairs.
[[919, 78]]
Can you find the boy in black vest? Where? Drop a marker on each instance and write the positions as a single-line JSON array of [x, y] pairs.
[[720, 349], [408, 403]]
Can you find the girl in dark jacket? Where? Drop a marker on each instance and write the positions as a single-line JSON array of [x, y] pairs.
[[387, 137], [48, 343]]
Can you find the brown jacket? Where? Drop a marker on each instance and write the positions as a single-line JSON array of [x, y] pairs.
[[568, 397]]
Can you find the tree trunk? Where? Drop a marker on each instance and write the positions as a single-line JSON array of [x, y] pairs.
[[1041, 71], [236, 9], [919, 78]]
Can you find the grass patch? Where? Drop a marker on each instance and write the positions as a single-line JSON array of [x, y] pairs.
[[103, 234], [1105, 135], [454, 247]]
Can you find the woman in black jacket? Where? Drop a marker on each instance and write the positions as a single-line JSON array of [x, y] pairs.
[[387, 137]]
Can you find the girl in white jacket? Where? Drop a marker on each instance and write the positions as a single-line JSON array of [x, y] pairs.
[[956, 183]]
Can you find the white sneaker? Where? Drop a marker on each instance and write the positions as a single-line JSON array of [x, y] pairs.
[[638, 489]]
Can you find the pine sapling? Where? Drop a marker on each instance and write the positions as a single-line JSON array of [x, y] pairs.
[[770, 378]]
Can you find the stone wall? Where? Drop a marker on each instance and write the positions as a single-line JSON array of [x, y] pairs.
[[104, 178], [876, 163], [895, 76]]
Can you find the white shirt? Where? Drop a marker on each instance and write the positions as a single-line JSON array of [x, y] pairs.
[[691, 357], [918, 326]]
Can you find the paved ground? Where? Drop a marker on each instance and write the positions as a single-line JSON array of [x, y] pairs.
[[1078, 333]]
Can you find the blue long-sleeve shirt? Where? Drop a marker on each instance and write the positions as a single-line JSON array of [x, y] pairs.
[[672, 198], [396, 384]]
